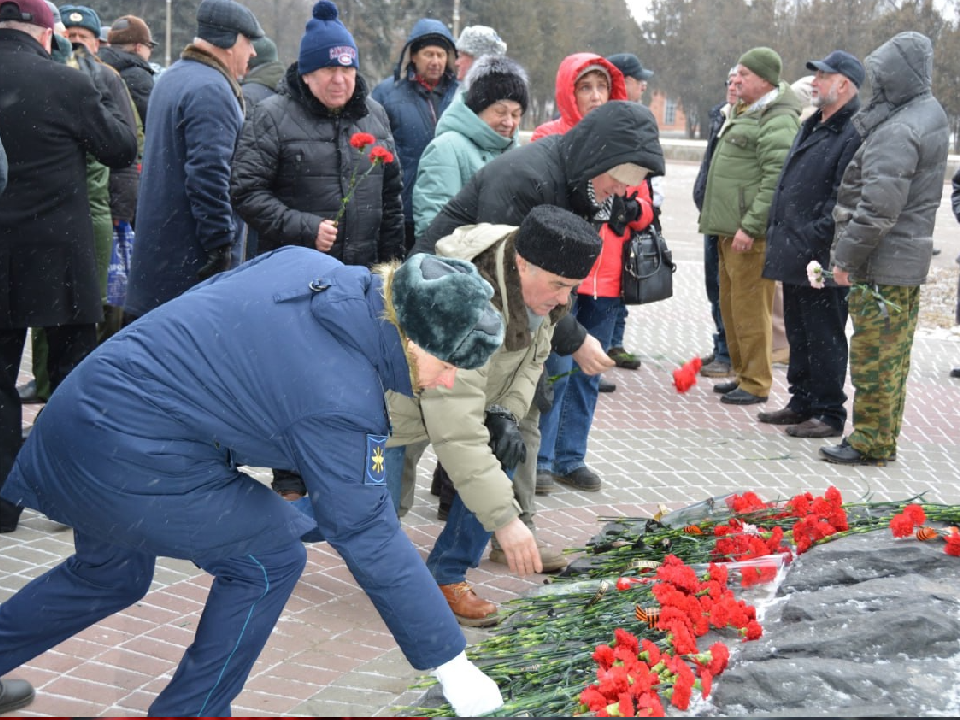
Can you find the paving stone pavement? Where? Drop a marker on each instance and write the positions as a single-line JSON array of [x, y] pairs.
[[332, 655]]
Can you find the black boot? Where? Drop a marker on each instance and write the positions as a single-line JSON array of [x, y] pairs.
[[15, 694]]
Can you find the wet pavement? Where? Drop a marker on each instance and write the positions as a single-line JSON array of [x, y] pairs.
[[332, 655]]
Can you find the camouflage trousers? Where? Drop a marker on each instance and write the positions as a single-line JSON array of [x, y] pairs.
[[879, 365]]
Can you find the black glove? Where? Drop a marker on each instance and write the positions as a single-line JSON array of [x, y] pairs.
[[543, 395], [505, 439], [624, 211], [218, 260]]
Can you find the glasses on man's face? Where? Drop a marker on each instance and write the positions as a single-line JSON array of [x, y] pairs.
[[728, 83]]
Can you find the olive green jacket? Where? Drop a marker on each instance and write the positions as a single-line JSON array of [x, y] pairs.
[[746, 164], [452, 419]]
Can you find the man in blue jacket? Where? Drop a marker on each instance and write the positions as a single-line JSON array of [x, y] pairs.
[[282, 362], [186, 228], [424, 83]]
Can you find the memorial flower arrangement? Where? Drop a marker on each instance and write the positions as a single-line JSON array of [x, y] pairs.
[[378, 155], [648, 616]]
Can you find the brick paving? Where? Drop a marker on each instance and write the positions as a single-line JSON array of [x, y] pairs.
[[332, 655]]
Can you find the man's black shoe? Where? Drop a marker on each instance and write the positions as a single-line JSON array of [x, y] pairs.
[[741, 397], [727, 387], [583, 478], [784, 416], [843, 454], [15, 694], [955, 373], [606, 386]]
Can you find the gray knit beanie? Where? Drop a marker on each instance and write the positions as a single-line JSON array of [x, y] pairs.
[[477, 40]]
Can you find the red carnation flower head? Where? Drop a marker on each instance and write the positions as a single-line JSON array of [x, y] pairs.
[[380, 154], [360, 140], [915, 513], [901, 525]]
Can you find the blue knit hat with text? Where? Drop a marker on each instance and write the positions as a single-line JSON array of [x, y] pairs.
[[326, 42]]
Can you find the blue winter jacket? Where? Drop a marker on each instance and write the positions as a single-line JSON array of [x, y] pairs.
[[183, 209], [413, 117], [280, 363]]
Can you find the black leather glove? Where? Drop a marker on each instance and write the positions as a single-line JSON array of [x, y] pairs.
[[543, 395], [218, 260], [505, 439], [624, 211]]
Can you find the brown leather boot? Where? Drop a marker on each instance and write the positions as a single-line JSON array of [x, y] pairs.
[[469, 609]]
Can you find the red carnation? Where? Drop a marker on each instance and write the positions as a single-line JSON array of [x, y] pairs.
[[360, 140], [381, 154], [953, 542], [915, 513], [901, 525]]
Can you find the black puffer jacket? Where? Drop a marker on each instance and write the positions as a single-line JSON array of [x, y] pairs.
[[555, 170], [293, 167], [136, 73], [801, 226]]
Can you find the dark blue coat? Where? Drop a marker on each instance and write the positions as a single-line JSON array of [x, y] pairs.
[[281, 363], [413, 110], [184, 210], [800, 227]]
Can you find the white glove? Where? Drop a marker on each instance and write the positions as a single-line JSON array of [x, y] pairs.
[[467, 688]]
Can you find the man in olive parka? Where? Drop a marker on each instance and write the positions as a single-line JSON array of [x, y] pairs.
[[747, 161]]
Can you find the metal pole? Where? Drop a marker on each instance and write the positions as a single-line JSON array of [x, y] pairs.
[[169, 33], [456, 18]]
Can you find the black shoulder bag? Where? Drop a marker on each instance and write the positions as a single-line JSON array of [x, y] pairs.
[[647, 268]]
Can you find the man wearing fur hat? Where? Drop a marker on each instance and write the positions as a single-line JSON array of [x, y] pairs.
[[128, 52], [423, 85], [746, 163], [322, 102], [474, 42], [157, 475], [474, 425], [186, 228]]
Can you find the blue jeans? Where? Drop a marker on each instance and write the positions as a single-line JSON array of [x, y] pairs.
[[460, 544], [564, 430], [616, 341], [711, 271]]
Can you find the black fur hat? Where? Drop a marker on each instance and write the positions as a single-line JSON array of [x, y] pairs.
[[492, 78], [558, 241], [443, 305]]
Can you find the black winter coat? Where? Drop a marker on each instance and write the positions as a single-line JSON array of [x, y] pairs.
[[716, 123], [50, 118], [293, 167], [554, 170], [801, 226], [136, 73]]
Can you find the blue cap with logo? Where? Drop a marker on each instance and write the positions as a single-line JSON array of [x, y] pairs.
[[326, 42]]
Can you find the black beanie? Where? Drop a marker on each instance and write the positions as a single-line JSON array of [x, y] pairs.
[[558, 241], [492, 78]]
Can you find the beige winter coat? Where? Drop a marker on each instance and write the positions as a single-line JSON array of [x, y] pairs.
[[452, 420]]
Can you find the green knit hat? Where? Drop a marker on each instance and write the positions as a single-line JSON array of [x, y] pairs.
[[764, 62]]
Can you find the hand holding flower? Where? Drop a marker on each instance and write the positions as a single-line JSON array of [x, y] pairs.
[[378, 155]]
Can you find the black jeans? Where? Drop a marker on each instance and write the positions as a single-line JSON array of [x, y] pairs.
[[816, 322]]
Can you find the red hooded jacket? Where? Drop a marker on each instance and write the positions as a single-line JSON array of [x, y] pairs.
[[604, 278]]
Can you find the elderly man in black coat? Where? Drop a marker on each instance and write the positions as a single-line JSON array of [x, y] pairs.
[[801, 229], [50, 117]]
